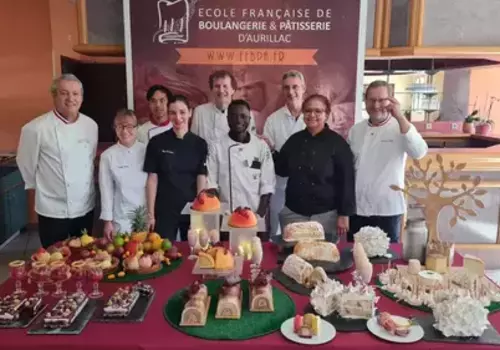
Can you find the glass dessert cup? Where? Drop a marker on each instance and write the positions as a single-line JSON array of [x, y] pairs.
[[40, 274], [192, 240], [95, 274], [60, 272], [17, 270], [79, 272]]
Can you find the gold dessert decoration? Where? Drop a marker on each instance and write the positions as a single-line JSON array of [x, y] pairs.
[[439, 194]]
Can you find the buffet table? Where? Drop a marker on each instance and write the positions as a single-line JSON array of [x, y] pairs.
[[155, 333]]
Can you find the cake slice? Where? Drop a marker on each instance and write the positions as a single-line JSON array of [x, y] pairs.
[[474, 265], [66, 310]]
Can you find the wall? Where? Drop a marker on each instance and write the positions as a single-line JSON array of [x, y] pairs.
[[25, 65], [484, 84]]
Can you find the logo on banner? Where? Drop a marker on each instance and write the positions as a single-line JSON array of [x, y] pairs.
[[173, 21]]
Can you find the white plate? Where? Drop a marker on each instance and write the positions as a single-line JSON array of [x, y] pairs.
[[416, 331], [326, 334]]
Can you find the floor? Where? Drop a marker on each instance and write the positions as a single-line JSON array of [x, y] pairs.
[[26, 243]]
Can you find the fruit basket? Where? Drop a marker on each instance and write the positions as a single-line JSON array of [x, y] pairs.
[[57, 254], [143, 270]]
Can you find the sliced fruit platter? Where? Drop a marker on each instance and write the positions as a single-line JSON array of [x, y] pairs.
[[51, 254]]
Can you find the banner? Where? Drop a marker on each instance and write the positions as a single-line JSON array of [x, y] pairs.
[[179, 43]]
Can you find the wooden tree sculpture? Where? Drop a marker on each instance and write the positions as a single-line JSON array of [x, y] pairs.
[[418, 178]]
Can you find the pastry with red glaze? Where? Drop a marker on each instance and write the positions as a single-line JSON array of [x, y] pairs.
[[242, 218], [206, 202]]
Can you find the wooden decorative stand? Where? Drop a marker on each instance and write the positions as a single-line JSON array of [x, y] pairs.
[[438, 193]]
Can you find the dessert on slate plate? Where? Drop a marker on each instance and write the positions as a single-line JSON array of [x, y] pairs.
[[307, 326], [303, 272], [242, 218], [304, 231], [65, 311], [375, 242], [13, 307], [230, 298], [121, 303], [316, 250], [196, 307]]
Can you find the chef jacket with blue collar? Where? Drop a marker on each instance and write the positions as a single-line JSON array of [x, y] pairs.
[[278, 128], [252, 171], [210, 123], [148, 130], [122, 183], [56, 159], [380, 154]]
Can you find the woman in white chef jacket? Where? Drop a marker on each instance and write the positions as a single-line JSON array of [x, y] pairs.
[[121, 180]]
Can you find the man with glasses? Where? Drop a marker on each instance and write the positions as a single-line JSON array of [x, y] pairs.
[[56, 155], [380, 146], [122, 181]]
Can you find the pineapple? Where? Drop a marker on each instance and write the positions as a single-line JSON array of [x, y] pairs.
[[139, 224]]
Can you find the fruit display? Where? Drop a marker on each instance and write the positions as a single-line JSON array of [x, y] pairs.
[[51, 254], [77, 243]]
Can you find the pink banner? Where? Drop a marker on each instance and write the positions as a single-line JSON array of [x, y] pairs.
[[179, 43]]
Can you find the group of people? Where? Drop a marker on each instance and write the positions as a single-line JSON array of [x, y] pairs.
[[297, 170]]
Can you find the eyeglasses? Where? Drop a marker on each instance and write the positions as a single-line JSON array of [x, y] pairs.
[[125, 127], [314, 111]]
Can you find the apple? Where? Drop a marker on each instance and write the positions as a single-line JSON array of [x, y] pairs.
[[65, 251], [118, 241], [173, 253], [166, 245], [118, 252], [132, 247], [145, 261]]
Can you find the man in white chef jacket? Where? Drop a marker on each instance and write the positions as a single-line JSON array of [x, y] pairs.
[[279, 126], [122, 182], [56, 158], [380, 146], [244, 160], [210, 119], [158, 97]]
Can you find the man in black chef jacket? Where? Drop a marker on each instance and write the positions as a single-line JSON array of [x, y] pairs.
[[176, 166], [320, 168]]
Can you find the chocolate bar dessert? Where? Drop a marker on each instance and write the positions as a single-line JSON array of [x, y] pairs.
[[66, 310]]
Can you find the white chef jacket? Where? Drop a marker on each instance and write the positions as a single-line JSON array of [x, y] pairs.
[[278, 128], [210, 123], [148, 130], [122, 183], [380, 159], [56, 159], [250, 179]]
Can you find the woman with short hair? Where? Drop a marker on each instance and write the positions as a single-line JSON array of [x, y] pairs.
[[320, 168], [122, 182]]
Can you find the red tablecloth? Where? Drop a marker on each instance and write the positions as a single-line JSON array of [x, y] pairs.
[[155, 333]]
